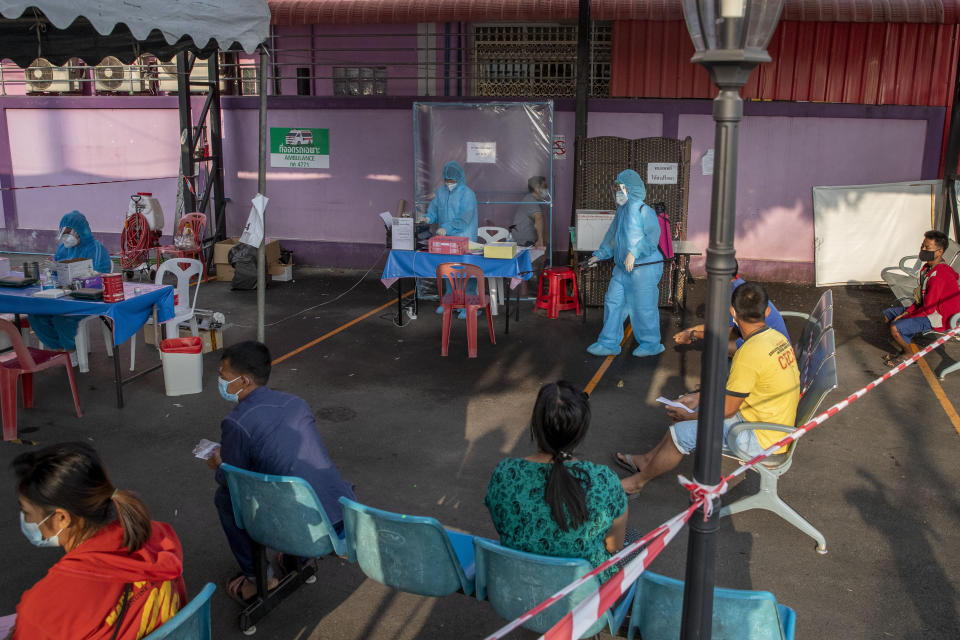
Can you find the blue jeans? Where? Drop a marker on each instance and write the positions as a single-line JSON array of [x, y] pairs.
[[907, 327], [684, 436]]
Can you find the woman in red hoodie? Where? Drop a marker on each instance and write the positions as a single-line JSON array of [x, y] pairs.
[[122, 574]]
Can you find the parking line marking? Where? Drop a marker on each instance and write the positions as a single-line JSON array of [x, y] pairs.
[[938, 390], [606, 364], [337, 330]]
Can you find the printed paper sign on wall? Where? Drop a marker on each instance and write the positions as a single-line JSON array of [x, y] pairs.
[[300, 148], [485, 152], [662, 172]]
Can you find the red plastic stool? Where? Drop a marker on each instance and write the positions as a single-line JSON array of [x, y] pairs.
[[559, 296]]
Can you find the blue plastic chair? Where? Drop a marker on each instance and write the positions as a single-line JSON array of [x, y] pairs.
[[282, 513], [515, 581], [415, 554], [737, 614], [191, 623]]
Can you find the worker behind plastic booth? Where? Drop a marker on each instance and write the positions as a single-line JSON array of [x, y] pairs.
[[75, 240], [454, 205]]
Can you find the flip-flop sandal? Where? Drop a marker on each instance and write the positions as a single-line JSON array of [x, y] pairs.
[[894, 359], [235, 588], [627, 464]]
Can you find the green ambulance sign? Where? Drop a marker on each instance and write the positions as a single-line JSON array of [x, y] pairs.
[[300, 148]]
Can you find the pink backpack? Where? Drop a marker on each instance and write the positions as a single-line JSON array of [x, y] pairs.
[[666, 238]]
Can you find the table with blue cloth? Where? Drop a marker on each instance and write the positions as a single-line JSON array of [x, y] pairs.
[[421, 264], [125, 317]]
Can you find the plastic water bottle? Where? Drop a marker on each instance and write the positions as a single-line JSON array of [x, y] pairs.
[[46, 280]]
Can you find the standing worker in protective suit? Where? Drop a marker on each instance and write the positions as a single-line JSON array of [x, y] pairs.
[[454, 205], [632, 241], [75, 241]]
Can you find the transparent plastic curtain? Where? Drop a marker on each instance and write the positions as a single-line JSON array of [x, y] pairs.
[[499, 145]]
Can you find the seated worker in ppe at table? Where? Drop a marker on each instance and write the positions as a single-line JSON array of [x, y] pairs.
[[527, 227], [936, 299], [267, 432], [774, 321], [75, 241], [454, 210], [632, 241], [763, 386]]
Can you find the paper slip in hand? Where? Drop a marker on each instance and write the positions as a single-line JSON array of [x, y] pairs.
[[674, 403], [205, 449]]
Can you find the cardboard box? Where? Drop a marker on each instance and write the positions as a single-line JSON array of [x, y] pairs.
[[221, 251], [506, 250], [212, 339], [224, 272], [70, 269]]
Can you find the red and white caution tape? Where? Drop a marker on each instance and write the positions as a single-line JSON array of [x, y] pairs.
[[83, 184], [588, 611]]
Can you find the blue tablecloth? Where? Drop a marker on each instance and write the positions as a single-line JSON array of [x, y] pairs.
[[128, 316], [420, 264]]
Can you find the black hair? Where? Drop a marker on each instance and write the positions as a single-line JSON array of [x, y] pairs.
[[249, 357], [750, 300], [560, 420], [535, 183], [736, 268], [71, 476], [939, 238]]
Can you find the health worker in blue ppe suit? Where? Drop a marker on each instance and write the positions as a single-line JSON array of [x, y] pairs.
[[454, 205], [632, 241], [454, 210], [75, 241]]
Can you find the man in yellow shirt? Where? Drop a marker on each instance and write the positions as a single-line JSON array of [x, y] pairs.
[[763, 386]]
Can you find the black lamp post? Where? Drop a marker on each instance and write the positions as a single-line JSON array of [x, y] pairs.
[[730, 38]]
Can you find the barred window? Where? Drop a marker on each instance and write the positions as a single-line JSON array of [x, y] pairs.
[[359, 81], [538, 59]]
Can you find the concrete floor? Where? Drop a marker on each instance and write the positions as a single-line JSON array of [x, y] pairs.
[[420, 434]]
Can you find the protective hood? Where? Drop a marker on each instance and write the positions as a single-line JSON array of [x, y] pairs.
[[103, 557], [78, 222], [634, 184], [453, 171]]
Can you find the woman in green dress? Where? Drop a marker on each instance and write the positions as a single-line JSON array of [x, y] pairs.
[[551, 503]]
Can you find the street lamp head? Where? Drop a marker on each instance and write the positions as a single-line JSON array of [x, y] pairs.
[[730, 37]]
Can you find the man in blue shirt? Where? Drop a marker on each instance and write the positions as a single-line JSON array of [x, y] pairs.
[[267, 432], [774, 321]]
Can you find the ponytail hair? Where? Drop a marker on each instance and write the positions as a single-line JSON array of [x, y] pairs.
[[561, 418], [71, 476]]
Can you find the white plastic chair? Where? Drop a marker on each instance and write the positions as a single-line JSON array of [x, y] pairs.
[[185, 305], [495, 287], [82, 339]]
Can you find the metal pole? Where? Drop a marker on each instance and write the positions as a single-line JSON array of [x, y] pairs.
[[262, 188], [216, 150], [186, 134], [701, 552], [584, 72]]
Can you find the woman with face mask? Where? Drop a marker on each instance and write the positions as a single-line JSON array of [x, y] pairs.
[[121, 574], [75, 240]]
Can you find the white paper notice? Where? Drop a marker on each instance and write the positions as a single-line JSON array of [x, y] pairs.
[[387, 219], [662, 172], [205, 449], [707, 163], [253, 232], [674, 403], [402, 234], [482, 152]]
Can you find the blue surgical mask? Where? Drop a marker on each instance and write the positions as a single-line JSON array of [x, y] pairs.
[[32, 532], [229, 397]]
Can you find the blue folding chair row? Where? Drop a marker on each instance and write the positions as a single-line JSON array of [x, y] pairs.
[[416, 554]]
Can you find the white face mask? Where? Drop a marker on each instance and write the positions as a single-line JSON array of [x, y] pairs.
[[621, 198], [69, 240], [451, 187]]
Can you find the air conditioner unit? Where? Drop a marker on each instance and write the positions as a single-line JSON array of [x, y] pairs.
[[167, 77], [42, 76], [112, 76]]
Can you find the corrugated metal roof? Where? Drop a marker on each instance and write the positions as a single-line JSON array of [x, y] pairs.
[[863, 63], [305, 12]]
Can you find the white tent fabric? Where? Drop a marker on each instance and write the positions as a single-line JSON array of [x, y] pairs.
[[861, 229], [246, 22]]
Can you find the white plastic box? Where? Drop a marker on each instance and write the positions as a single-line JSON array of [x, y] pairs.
[[70, 269]]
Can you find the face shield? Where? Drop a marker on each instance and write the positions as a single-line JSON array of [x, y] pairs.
[[619, 192]]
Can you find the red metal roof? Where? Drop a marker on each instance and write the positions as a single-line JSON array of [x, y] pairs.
[[863, 63], [305, 12]]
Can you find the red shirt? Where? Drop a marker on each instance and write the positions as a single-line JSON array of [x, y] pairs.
[[941, 296], [80, 597]]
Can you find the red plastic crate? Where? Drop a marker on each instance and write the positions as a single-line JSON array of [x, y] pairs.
[[450, 245]]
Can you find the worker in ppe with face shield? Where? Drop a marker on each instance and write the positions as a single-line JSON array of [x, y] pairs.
[[632, 241], [454, 211], [454, 205], [75, 240]]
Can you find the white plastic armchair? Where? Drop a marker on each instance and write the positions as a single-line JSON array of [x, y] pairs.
[[902, 279], [185, 304], [494, 285]]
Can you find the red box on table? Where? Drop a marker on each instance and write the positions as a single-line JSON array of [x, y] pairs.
[[450, 245]]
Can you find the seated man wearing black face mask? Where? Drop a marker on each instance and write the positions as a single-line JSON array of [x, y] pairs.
[[936, 299]]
